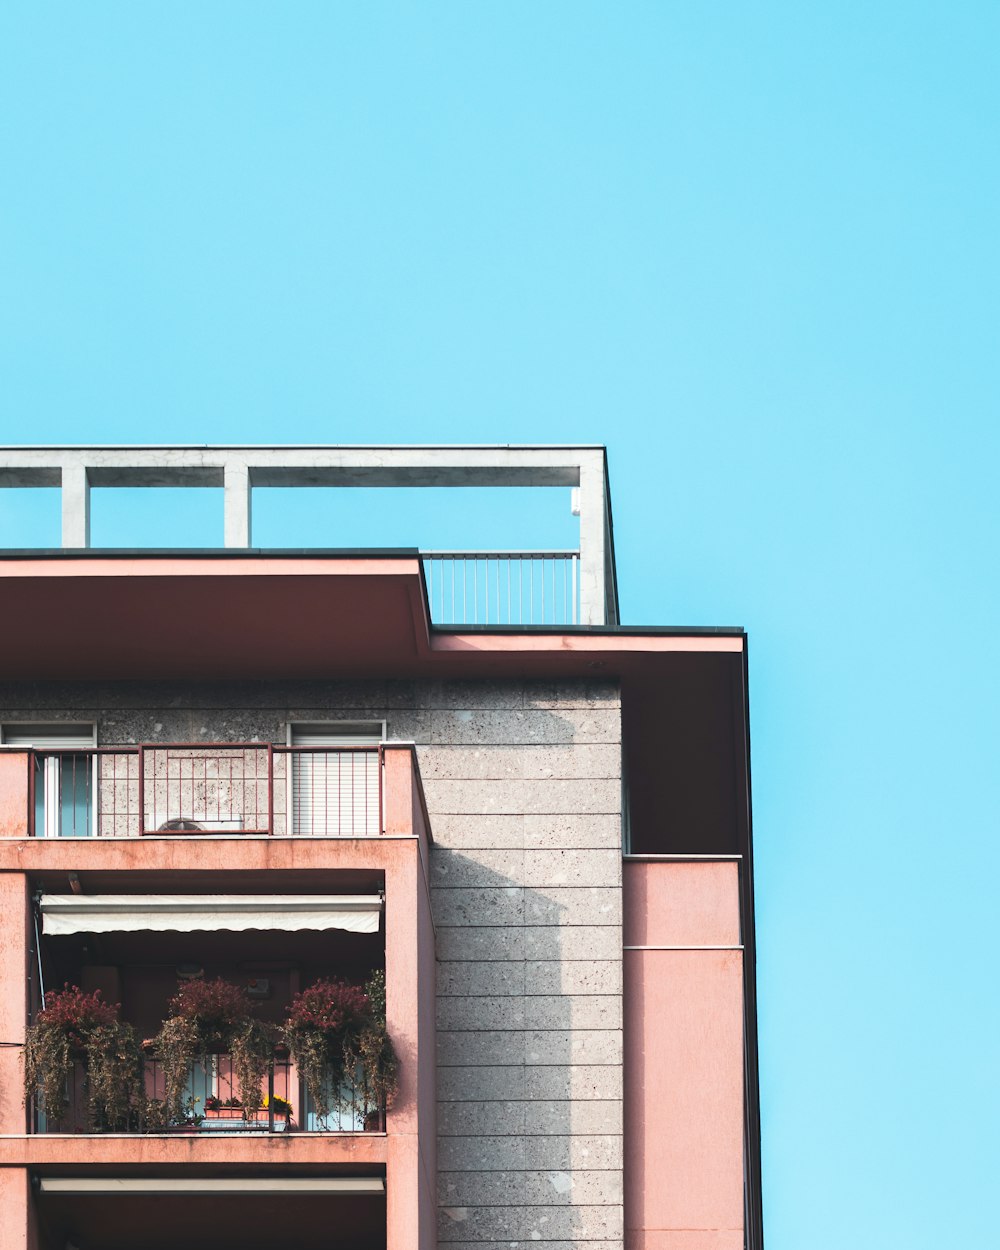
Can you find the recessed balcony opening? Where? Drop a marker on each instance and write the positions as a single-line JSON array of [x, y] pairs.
[[252, 1212], [149, 953]]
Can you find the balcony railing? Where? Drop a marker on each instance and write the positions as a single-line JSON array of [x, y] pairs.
[[503, 587], [214, 1105], [185, 789]]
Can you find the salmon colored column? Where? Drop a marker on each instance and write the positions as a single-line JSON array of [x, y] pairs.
[[15, 951], [13, 794], [19, 1228], [683, 1057], [409, 962]]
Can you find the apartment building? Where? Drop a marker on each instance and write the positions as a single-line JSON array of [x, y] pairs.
[[278, 770]]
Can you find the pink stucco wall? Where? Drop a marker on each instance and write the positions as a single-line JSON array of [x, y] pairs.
[[409, 952], [683, 1058], [13, 794], [15, 920], [18, 1222], [684, 903]]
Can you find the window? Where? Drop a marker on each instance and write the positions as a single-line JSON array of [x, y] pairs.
[[64, 777], [335, 778]]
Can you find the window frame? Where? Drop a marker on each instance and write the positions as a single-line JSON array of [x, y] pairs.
[[37, 737]]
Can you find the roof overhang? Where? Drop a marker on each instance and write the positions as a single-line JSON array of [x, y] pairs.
[[253, 615]]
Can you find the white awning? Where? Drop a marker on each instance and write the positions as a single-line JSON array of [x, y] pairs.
[[190, 913], [194, 1185]]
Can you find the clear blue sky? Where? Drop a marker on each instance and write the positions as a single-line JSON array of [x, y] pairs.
[[754, 249]]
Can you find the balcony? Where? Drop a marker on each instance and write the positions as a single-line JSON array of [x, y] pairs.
[[186, 1014], [190, 790], [216, 1104]]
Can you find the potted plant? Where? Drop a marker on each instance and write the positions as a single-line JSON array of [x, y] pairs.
[[223, 1108], [73, 1029], [212, 1018], [334, 1029], [281, 1106]]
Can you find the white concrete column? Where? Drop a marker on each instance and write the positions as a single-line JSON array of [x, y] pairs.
[[75, 506], [237, 505], [592, 541]]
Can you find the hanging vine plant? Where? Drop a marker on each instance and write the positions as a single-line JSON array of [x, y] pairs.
[[77, 1028], [211, 1018], [335, 1029], [376, 1056]]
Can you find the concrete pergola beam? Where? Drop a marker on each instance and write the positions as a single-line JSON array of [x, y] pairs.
[[239, 469]]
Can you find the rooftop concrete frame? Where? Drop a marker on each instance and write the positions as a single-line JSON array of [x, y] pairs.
[[238, 469]]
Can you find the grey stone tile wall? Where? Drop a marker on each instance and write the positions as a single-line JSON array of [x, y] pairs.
[[525, 799], [523, 787]]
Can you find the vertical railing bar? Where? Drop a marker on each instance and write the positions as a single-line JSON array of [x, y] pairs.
[[270, 789], [142, 789], [565, 614], [574, 563], [32, 768]]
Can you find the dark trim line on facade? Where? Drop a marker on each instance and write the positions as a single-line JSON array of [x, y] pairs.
[[751, 1110], [611, 563]]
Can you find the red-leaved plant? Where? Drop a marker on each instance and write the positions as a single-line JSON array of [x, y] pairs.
[[76, 1013], [214, 1006], [77, 1028], [331, 1007], [331, 1030], [212, 1017]]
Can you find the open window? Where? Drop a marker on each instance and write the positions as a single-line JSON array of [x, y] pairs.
[[335, 778], [64, 776]]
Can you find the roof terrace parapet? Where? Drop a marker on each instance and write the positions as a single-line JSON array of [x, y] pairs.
[[238, 469]]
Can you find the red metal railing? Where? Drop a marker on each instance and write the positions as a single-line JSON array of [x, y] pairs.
[[182, 789]]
